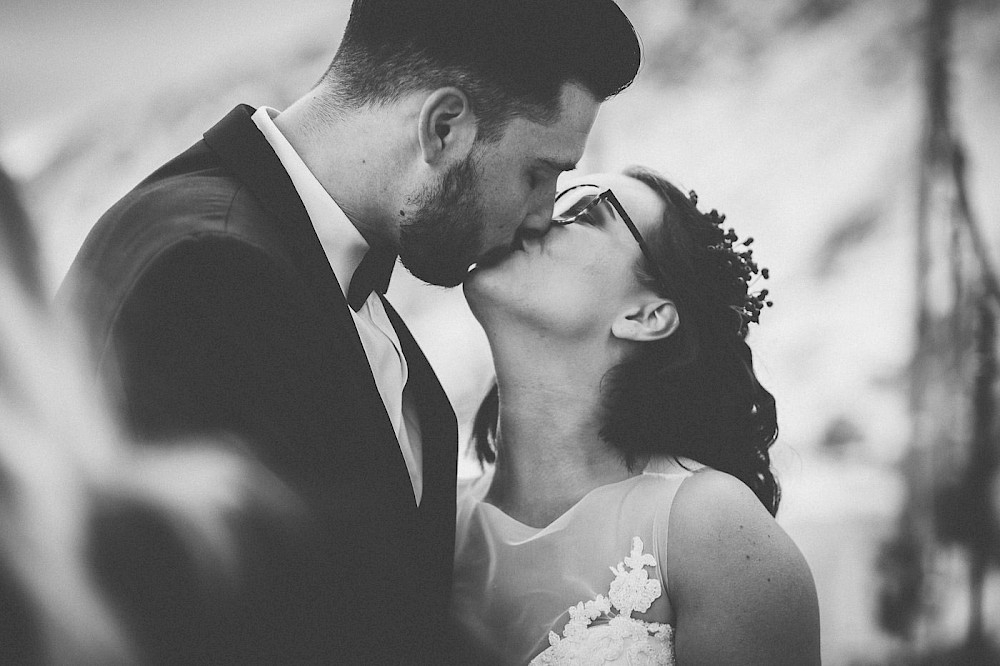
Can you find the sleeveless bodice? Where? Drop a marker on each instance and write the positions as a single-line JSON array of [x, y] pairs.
[[519, 589]]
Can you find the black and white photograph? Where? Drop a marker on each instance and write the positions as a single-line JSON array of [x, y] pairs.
[[500, 332]]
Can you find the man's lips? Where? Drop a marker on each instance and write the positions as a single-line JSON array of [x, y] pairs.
[[498, 254]]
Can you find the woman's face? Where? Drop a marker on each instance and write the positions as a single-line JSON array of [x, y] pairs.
[[574, 280]]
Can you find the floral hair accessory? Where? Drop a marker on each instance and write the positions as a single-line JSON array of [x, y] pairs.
[[736, 270]]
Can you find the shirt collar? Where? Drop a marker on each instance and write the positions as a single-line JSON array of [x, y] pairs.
[[342, 243]]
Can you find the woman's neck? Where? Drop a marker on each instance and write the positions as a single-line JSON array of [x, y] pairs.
[[549, 449]]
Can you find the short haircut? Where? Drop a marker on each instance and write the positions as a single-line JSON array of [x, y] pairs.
[[511, 57]]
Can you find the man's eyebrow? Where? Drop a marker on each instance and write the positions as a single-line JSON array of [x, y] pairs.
[[557, 165]]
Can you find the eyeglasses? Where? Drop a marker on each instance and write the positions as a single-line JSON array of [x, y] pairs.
[[597, 210]]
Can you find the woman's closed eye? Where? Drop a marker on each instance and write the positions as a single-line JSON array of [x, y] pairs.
[[588, 217], [570, 203], [583, 210], [594, 214]]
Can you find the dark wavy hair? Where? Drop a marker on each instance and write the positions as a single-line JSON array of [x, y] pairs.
[[511, 57], [693, 394]]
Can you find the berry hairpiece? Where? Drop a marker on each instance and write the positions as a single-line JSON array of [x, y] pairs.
[[738, 268]]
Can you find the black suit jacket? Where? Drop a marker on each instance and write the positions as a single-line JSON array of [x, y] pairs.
[[213, 309]]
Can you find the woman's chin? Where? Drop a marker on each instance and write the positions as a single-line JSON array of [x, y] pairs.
[[475, 283], [484, 273], [485, 288]]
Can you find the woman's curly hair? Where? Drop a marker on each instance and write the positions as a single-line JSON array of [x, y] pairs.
[[693, 394]]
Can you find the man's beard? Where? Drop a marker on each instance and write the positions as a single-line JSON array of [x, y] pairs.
[[441, 239]]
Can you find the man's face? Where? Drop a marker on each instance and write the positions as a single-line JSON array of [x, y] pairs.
[[436, 243], [500, 190]]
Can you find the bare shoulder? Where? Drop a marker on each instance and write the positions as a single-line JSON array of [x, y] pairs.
[[719, 527], [716, 499], [740, 585]]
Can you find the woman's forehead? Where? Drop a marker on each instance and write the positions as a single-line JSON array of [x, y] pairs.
[[641, 203], [576, 179]]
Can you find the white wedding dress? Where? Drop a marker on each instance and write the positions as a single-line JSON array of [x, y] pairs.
[[590, 588]]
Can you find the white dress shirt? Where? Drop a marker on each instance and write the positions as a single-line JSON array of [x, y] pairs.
[[345, 247]]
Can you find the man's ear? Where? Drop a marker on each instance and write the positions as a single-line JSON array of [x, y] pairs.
[[651, 320], [447, 126]]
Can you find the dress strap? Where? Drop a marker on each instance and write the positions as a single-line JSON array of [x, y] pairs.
[[669, 466]]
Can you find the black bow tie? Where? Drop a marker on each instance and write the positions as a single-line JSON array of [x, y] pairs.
[[372, 274]]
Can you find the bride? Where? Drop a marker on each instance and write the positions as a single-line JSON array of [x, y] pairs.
[[627, 517]]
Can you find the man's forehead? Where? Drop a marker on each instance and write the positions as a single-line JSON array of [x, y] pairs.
[[559, 144], [544, 151]]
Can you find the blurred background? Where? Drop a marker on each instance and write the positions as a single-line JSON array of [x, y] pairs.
[[857, 140]]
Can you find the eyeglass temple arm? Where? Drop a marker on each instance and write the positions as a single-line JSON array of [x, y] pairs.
[[610, 196]]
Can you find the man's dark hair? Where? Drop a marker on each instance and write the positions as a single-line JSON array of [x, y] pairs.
[[511, 57]]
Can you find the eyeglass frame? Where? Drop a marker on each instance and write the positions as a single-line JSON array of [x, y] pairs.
[[609, 196]]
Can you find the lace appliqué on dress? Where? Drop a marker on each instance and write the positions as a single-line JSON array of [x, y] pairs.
[[621, 639]]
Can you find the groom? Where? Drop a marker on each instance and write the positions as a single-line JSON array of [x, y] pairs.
[[239, 290]]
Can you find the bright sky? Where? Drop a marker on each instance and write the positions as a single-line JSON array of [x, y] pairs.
[[55, 55]]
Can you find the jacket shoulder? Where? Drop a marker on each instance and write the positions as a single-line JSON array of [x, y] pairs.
[[190, 196], [192, 192], [192, 203]]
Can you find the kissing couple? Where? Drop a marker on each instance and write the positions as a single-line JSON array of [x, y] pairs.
[[626, 510]]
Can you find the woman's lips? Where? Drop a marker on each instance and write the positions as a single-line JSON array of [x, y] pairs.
[[498, 254]]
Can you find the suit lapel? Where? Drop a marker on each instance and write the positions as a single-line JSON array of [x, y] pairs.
[[439, 437], [438, 429], [243, 149]]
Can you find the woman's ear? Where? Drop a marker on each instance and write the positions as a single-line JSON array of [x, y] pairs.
[[447, 126], [651, 320]]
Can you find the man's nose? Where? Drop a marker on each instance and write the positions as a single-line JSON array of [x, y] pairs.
[[539, 219]]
